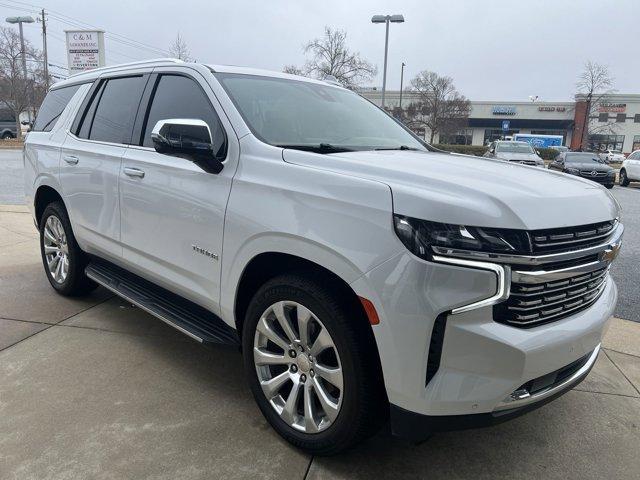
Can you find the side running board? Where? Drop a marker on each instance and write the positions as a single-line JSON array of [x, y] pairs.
[[191, 319]]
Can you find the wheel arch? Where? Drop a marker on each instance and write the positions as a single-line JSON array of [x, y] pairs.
[[267, 265], [44, 195]]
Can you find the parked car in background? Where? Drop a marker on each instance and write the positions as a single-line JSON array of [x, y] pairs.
[[630, 169], [610, 156], [7, 124], [585, 165], [559, 148], [517, 152]]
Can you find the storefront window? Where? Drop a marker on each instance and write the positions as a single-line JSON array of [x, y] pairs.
[[462, 137], [491, 135], [606, 142], [636, 143]]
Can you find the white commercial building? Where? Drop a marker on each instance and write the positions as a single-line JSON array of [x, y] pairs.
[[615, 122]]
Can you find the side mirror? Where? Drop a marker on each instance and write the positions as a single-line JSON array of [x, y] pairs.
[[189, 139]]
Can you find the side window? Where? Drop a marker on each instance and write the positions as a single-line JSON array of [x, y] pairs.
[[176, 96], [111, 114], [52, 107]]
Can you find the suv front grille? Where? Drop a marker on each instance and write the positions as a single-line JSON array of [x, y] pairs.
[[532, 304], [566, 239]]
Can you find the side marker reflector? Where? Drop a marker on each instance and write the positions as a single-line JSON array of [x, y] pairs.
[[370, 310]]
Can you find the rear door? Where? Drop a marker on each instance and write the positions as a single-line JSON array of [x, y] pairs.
[[172, 210], [91, 157]]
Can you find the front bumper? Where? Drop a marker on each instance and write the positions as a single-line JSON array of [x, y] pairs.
[[417, 427], [481, 362]]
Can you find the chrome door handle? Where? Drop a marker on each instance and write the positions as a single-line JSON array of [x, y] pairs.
[[133, 172], [70, 159]]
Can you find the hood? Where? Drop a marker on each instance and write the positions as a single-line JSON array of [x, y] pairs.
[[474, 191], [589, 166], [513, 157]]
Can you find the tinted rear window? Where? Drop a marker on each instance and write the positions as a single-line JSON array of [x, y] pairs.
[[52, 107], [117, 106]]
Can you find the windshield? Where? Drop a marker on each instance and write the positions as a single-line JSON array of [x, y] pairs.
[[514, 147], [582, 158], [309, 116]]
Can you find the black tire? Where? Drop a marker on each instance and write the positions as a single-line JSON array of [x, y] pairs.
[[7, 135], [623, 180], [76, 282], [364, 405]]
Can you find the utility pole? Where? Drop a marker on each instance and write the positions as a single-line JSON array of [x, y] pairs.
[[44, 50], [401, 79]]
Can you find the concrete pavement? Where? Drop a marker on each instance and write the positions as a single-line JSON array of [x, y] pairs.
[[95, 388]]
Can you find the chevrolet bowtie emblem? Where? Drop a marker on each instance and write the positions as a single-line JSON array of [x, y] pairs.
[[610, 253]]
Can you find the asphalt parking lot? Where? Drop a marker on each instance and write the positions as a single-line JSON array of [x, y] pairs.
[[95, 388]]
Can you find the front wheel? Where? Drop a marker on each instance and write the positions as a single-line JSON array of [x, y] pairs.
[[624, 179], [311, 366]]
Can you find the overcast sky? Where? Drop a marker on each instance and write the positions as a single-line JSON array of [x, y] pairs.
[[494, 50]]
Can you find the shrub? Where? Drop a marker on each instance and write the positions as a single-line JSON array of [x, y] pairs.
[[548, 153], [476, 150]]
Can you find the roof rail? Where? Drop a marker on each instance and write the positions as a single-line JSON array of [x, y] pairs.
[[130, 64]]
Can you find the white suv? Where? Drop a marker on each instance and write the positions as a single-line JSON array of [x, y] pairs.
[[630, 169], [364, 275]]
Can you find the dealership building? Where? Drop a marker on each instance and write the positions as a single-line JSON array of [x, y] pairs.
[[615, 121]]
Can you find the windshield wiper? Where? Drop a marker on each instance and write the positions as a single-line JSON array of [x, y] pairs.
[[319, 148], [400, 147]]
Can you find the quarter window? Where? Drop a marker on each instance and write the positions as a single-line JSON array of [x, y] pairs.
[[52, 107], [117, 103], [177, 96]]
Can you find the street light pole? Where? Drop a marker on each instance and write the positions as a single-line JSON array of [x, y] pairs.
[[386, 19], [20, 21]]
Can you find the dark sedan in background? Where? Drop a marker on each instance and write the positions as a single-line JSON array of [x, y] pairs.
[[586, 165]]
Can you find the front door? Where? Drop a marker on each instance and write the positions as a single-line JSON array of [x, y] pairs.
[[172, 210]]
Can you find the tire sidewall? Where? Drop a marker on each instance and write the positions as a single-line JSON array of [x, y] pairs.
[[75, 261], [624, 180], [266, 297]]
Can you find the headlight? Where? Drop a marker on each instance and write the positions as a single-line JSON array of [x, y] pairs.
[[573, 171], [420, 236]]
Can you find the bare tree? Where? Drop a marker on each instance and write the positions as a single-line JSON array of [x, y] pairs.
[[330, 55], [16, 91], [179, 49], [440, 107], [596, 84], [293, 70]]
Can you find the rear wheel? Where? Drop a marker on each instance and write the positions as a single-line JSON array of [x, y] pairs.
[[624, 179], [311, 366], [62, 258], [7, 135]]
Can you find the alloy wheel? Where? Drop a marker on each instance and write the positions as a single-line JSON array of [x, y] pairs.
[[56, 250], [298, 367]]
